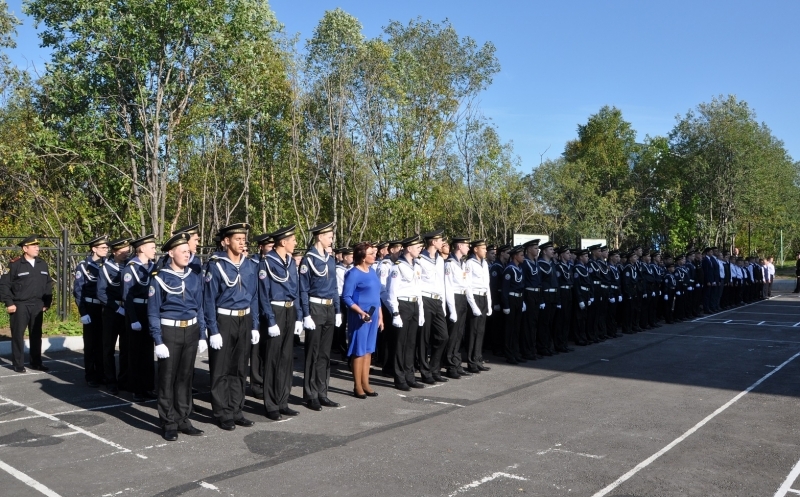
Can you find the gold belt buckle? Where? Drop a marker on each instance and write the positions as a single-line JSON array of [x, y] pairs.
[[240, 312], [184, 324], [290, 303]]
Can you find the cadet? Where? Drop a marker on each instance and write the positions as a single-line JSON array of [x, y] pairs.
[[319, 297], [135, 284], [533, 299], [630, 290], [26, 290], [513, 283], [91, 310], [109, 292], [564, 308], [281, 315], [386, 338], [615, 294], [194, 240], [230, 307], [433, 334], [670, 287], [461, 301], [405, 302], [339, 343], [649, 300], [549, 304], [495, 322], [265, 245], [582, 294], [175, 313], [479, 284]]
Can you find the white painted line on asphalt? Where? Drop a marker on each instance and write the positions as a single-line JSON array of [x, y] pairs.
[[794, 491], [19, 419], [493, 476], [796, 325], [762, 322], [728, 321], [70, 425], [715, 337], [734, 309], [27, 480], [691, 430], [553, 449], [208, 486], [787, 483]]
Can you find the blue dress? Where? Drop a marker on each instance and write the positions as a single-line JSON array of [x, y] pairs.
[[363, 289]]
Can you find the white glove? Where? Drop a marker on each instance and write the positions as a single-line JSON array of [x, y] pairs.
[[591, 300], [136, 326], [273, 331], [338, 320], [524, 307], [666, 297], [216, 341], [506, 311], [162, 352], [86, 319], [298, 327], [677, 293], [453, 317], [496, 307], [654, 294], [421, 321], [121, 311], [620, 298], [581, 305], [489, 312], [255, 336], [475, 313], [541, 306], [613, 300], [698, 285], [558, 306], [397, 322], [308, 324], [202, 346], [690, 288]]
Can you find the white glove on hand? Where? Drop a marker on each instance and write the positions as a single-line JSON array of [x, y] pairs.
[[654, 294], [216, 341], [308, 323], [581, 305], [558, 306], [397, 322], [620, 298], [136, 326], [273, 331], [690, 288], [421, 321], [591, 300], [677, 293], [698, 285], [298, 327], [453, 317], [86, 319], [489, 312], [255, 336], [541, 306], [338, 320], [506, 311], [476, 313], [524, 307], [202, 346], [496, 307], [121, 311], [666, 297], [162, 352]]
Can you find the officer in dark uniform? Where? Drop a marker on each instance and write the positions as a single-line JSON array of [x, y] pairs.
[[175, 314], [319, 298], [109, 293], [91, 310], [564, 310], [512, 303], [582, 296], [281, 318], [494, 324], [532, 298], [630, 291], [26, 290], [596, 315], [649, 300], [230, 306], [615, 297], [135, 285], [670, 287], [550, 300]]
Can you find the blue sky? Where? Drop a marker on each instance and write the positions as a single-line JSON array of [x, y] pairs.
[[562, 61]]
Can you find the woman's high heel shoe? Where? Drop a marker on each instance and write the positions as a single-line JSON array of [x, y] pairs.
[[371, 394], [359, 395]]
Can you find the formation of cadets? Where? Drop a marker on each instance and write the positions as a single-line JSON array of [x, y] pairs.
[[447, 303]]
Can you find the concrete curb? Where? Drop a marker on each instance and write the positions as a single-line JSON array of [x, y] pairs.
[[49, 344]]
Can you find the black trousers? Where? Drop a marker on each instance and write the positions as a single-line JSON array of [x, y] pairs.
[[563, 321], [318, 351], [278, 365], [405, 338], [475, 332], [432, 336], [93, 344], [513, 325], [591, 317], [26, 316], [611, 319], [455, 331], [175, 376], [579, 323], [601, 309], [113, 328], [257, 354], [228, 367], [544, 336], [339, 339], [628, 306], [384, 345], [530, 324], [141, 369]]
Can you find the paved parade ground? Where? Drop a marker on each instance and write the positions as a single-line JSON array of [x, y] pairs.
[[705, 407]]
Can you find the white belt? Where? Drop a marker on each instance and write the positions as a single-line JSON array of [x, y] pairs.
[[515, 294], [317, 300], [460, 292], [282, 303], [233, 312], [482, 293], [530, 289], [549, 290], [179, 324], [430, 295], [139, 301], [407, 299], [585, 289], [119, 302], [92, 301]]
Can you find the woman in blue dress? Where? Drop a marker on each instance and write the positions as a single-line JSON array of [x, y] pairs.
[[362, 292]]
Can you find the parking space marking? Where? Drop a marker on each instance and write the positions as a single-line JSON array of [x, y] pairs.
[[485, 479], [786, 487], [27, 480], [690, 431], [734, 309]]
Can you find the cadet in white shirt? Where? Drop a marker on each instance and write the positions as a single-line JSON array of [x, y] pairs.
[[479, 284], [433, 334], [383, 347], [460, 302]]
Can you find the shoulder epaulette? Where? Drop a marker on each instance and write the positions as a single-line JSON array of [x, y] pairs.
[[15, 259]]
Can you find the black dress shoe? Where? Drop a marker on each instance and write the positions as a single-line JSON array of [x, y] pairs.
[[416, 385], [569, 349], [20, 370], [139, 397], [474, 370], [363, 396], [227, 425], [192, 431], [428, 381], [257, 395], [512, 361], [481, 367], [314, 405], [170, 435], [325, 401], [113, 390], [464, 372], [274, 415], [453, 374], [371, 394], [403, 387], [288, 411], [93, 384], [151, 394], [439, 379], [244, 422], [39, 367]]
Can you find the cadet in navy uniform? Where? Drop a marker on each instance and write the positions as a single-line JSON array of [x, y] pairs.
[[433, 334], [630, 291], [265, 245], [26, 290], [109, 292], [135, 284], [670, 287], [533, 299], [405, 302], [495, 322], [175, 313], [479, 284], [564, 311], [230, 307], [550, 300], [281, 317], [339, 343], [582, 295], [192, 231], [319, 298], [513, 283], [91, 310]]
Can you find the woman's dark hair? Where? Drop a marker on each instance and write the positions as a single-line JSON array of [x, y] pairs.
[[360, 252]]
